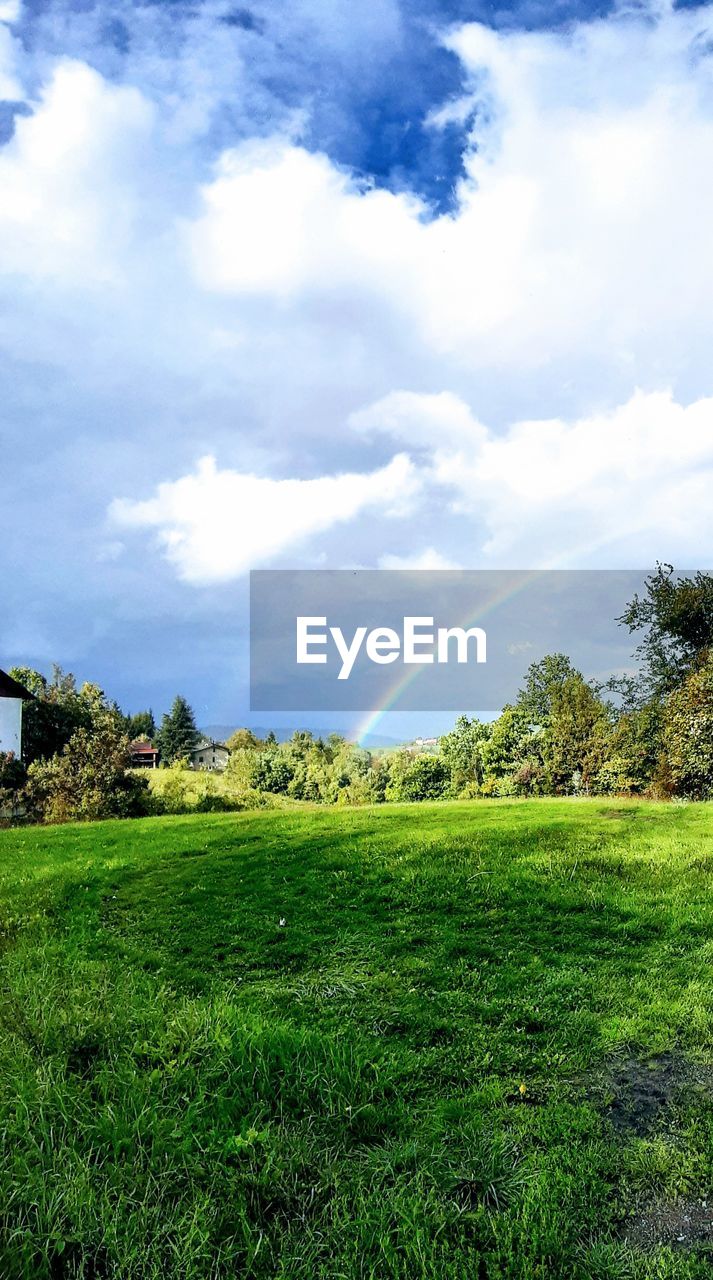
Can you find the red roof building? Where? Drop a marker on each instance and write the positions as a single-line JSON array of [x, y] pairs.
[[144, 755]]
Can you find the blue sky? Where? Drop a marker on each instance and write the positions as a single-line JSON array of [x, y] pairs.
[[329, 285], [366, 77]]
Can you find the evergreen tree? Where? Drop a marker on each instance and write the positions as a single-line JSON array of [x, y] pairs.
[[141, 725], [178, 735]]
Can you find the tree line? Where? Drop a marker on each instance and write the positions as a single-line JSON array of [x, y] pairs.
[[648, 733], [76, 752]]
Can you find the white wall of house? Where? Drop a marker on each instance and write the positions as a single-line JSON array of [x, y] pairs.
[[11, 725], [212, 758]]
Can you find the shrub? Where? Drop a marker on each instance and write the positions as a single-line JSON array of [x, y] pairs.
[[499, 786], [176, 791], [367, 788], [615, 776], [529, 779], [13, 776], [423, 778], [272, 771], [89, 779]]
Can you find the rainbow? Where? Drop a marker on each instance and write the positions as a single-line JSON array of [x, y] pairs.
[[390, 702]]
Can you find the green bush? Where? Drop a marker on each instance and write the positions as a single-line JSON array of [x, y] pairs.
[[89, 779], [13, 776], [423, 778]]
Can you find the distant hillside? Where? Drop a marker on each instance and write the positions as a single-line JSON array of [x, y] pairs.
[[222, 731]]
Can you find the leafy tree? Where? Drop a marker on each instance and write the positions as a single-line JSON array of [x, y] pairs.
[[58, 709], [296, 762], [688, 735], [241, 769], [349, 773], [244, 740], [576, 739], [273, 771], [313, 779], [13, 776], [543, 681], [635, 748], [510, 742], [462, 752], [89, 779], [676, 614], [178, 735], [367, 788]]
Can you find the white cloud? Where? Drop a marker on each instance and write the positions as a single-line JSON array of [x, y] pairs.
[[279, 220], [217, 524], [10, 10], [72, 182], [160, 306], [582, 233], [579, 257], [624, 486], [428, 559], [423, 420]]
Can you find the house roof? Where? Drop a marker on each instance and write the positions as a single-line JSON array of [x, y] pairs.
[[137, 747], [10, 688], [207, 744]]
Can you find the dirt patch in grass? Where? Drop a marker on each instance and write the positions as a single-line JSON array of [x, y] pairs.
[[635, 1093], [682, 1224]]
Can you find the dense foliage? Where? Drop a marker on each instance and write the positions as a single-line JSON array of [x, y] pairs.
[[58, 708], [89, 778], [76, 761], [651, 734]]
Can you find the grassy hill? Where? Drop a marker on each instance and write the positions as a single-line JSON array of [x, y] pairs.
[[467, 1041]]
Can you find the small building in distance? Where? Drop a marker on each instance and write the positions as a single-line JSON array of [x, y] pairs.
[[209, 755], [144, 755], [12, 696]]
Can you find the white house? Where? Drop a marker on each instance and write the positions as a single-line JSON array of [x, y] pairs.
[[210, 756], [12, 696]]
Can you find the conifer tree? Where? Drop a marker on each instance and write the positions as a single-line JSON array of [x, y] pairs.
[[178, 735]]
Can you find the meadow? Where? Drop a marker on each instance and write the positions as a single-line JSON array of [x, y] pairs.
[[457, 1041]]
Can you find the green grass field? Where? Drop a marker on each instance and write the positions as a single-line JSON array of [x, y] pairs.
[[480, 1046]]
